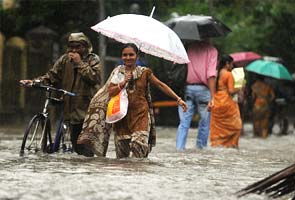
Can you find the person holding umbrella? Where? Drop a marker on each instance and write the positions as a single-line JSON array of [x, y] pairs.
[[131, 138], [199, 90], [135, 133], [272, 71]]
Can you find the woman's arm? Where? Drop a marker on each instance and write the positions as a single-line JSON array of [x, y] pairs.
[[168, 91], [114, 89], [230, 84]]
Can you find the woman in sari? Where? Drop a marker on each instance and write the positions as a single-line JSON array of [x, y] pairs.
[[263, 96], [135, 133], [226, 123]]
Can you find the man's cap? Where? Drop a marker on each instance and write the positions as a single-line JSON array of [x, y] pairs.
[[82, 38]]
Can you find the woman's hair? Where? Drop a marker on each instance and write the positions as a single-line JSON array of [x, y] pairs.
[[131, 45], [223, 61]]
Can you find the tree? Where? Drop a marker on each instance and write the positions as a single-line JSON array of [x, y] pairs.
[[262, 26]]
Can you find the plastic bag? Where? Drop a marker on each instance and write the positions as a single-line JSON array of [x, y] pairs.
[[117, 107], [239, 77], [239, 80]]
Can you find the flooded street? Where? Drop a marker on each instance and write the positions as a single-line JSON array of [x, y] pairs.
[[194, 174]]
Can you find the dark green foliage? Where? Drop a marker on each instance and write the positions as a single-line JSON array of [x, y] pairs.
[[265, 27]]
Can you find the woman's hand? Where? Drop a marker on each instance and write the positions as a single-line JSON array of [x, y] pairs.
[[128, 77], [183, 105]]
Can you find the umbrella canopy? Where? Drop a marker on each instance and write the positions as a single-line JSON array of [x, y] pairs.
[[150, 35], [197, 27], [269, 68], [241, 59]]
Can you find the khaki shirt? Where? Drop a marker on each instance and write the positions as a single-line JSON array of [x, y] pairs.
[[84, 79]]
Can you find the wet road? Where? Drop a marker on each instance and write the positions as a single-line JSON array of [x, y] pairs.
[[166, 174]]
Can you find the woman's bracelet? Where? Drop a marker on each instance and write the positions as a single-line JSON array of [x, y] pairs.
[[119, 86], [178, 100]]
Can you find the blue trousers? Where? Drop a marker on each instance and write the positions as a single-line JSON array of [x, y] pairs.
[[197, 98]]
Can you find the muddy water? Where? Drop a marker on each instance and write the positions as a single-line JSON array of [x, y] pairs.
[[166, 174]]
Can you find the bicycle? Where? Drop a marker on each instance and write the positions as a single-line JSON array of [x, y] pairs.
[[37, 136]]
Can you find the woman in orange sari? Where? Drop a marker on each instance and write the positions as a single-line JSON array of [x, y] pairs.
[[226, 123]]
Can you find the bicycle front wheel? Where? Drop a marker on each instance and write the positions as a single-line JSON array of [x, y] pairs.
[[34, 139]]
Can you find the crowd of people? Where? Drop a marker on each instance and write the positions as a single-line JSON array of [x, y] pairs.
[[209, 89]]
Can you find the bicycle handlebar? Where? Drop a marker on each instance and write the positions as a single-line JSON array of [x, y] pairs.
[[50, 88], [38, 84]]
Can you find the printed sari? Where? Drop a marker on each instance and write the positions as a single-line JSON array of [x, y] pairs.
[[263, 95], [96, 132]]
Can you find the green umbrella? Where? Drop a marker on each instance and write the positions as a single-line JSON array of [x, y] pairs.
[[269, 68]]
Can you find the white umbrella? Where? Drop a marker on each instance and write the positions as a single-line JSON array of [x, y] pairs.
[[150, 35]]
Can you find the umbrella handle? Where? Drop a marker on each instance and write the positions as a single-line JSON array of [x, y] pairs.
[[152, 13]]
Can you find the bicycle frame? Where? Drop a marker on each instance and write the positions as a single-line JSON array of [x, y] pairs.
[[60, 136]]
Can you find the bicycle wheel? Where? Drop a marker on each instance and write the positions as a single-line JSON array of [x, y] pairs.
[[47, 144], [36, 136]]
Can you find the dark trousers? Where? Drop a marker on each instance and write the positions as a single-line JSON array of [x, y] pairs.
[[80, 149]]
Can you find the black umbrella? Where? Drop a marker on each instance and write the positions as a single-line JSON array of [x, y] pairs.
[[197, 27]]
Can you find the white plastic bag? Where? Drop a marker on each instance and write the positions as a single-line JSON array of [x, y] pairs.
[[239, 77], [239, 80], [118, 105]]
